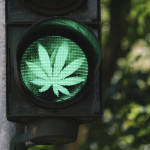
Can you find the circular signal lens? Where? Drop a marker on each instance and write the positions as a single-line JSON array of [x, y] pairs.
[[54, 69], [52, 4], [56, 62]]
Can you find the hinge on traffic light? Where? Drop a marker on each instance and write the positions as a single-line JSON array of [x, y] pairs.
[[94, 24]]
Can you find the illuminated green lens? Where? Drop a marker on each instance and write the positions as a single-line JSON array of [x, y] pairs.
[[54, 69]]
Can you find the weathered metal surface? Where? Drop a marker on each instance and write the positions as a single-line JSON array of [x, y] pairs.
[[18, 13], [19, 20], [53, 131]]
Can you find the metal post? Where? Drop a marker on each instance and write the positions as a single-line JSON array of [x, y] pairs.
[[7, 129]]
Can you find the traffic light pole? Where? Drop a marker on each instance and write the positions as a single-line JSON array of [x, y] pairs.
[[20, 142]]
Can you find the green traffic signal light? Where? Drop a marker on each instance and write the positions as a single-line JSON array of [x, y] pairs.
[[54, 69], [57, 60]]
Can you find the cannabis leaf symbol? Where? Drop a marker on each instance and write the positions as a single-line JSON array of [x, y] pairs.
[[53, 71]]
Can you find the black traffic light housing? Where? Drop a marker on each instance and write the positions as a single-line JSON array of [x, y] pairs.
[[52, 7], [20, 109]]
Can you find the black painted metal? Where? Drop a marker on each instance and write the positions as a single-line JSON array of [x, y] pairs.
[[53, 131], [16, 12], [20, 110], [50, 131], [101, 66], [18, 19], [48, 12]]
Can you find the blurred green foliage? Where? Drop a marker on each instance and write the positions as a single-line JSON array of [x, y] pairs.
[[126, 120]]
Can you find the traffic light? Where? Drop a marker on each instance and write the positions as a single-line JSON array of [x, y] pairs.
[[53, 67]]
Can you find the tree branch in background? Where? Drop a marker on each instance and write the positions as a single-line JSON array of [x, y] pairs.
[[118, 9]]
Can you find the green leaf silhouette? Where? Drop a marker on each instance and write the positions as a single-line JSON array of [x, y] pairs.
[[60, 59], [37, 70], [57, 77], [44, 59], [68, 69]]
